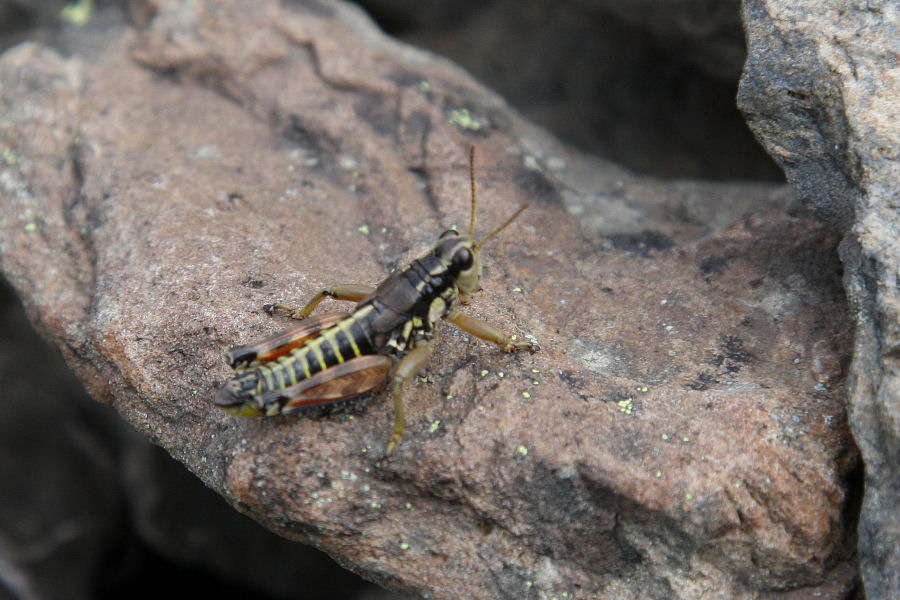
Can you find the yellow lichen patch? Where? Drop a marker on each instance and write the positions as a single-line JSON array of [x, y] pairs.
[[462, 118], [77, 13]]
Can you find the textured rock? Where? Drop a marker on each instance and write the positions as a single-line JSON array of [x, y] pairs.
[[681, 432], [820, 91], [649, 85], [87, 503]]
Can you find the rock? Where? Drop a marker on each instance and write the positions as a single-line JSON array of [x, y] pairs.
[[822, 100], [649, 85], [98, 511], [681, 431]]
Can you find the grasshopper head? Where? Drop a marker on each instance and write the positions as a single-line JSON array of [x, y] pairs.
[[462, 256]]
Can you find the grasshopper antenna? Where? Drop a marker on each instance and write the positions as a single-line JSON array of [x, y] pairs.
[[472, 187], [507, 222]]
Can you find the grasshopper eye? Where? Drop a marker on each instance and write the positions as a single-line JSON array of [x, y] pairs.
[[463, 259], [449, 233]]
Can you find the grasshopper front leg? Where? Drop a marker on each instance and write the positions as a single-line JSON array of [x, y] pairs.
[[488, 332], [353, 292]]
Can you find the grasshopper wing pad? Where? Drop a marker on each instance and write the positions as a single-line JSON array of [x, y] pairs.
[[283, 342], [345, 380]]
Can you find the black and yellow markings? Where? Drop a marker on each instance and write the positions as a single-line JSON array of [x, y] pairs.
[[357, 331], [325, 351], [272, 376], [348, 336], [408, 328], [288, 367], [436, 309], [339, 343], [268, 376], [347, 348]]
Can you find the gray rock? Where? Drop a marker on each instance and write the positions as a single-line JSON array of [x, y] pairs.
[[820, 91]]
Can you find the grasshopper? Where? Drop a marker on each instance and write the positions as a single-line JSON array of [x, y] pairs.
[[389, 334]]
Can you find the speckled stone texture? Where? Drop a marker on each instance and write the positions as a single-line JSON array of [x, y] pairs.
[[820, 91], [681, 433]]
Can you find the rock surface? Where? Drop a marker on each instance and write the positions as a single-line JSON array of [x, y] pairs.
[[820, 91], [649, 85], [90, 509], [680, 434]]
